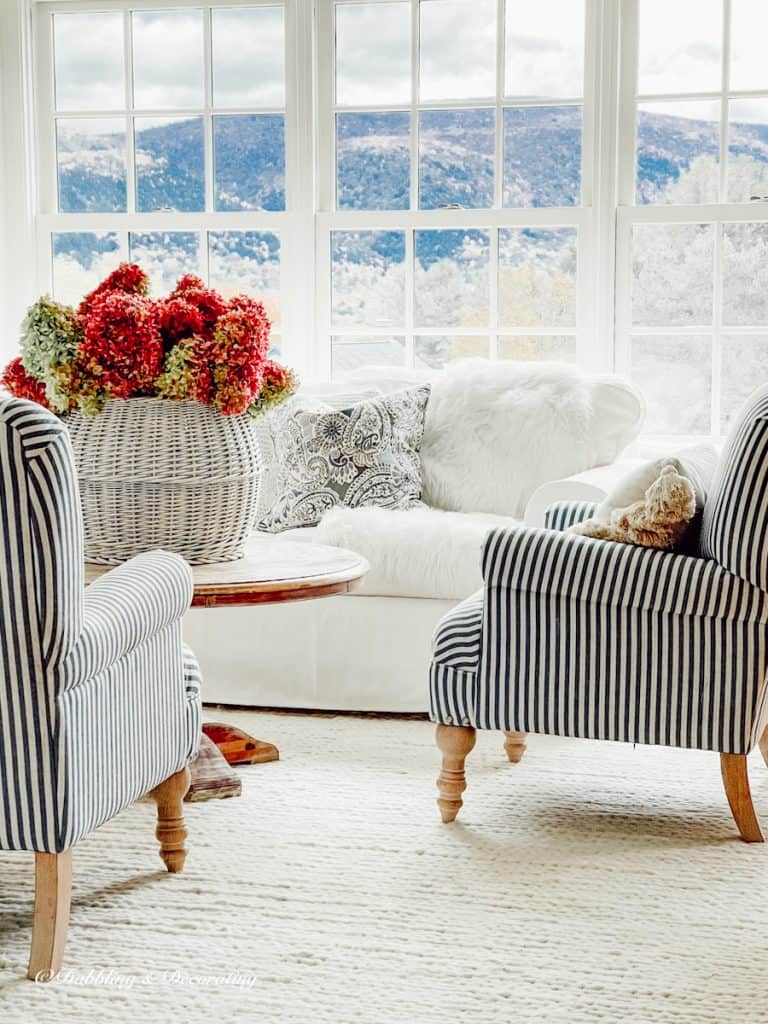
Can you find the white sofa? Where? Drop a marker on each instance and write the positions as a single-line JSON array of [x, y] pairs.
[[501, 441]]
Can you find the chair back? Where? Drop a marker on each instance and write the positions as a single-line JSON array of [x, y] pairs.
[[41, 611], [734, 529]]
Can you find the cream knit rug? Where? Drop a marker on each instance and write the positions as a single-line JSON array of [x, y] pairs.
[[589, 883]]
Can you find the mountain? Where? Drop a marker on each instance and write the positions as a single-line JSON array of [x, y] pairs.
[[541, 166]]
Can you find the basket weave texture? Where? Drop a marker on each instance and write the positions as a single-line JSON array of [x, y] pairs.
[[172, 475]]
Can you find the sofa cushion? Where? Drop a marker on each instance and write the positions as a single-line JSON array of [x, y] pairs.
[[418, 552], [494, 432]]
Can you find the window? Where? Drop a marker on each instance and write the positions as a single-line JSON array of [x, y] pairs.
[[693, 233], [414, 181], [164, 141], [453, 184]]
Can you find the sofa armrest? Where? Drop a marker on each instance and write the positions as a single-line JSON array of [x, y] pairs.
[[608, 574], [124, 608], [592, 485]]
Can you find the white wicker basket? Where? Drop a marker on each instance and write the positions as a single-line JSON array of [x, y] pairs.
[[172, 475]]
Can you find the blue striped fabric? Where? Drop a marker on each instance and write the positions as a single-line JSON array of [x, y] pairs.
[[734, 528], [580, 637], [586, 638], [98, 701], [562, 514]]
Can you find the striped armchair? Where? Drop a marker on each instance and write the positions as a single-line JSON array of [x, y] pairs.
[[99, 704], [579, 637]]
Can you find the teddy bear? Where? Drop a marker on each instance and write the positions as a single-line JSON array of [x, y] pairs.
[[659, 520]]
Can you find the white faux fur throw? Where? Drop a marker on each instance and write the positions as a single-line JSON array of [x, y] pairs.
[[417, 552], [494, 432]]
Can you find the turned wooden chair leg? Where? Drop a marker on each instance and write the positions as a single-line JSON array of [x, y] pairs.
[[170, 821], [53, 895], [455, 742], [514, 744], [764, 745], [736, 782]]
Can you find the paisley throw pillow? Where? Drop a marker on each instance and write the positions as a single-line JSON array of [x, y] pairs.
[[364, 456]]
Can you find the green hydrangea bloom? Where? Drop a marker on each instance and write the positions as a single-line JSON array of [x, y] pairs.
[[173, 383], [49, 339]]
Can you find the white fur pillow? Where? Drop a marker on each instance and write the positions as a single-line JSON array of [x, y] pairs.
[[496, 431]]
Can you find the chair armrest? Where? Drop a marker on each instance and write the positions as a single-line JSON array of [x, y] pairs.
[[617, 575], [563, 514], [125, 607], [592, 485]]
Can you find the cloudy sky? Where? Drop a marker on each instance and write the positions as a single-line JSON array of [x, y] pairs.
[[544, 46], [680, 52], [248, 59]]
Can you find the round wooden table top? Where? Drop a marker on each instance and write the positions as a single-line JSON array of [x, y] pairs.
[[270, 572]]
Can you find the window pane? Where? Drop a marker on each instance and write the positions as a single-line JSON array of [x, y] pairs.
[[247, 261], [167, 75], [166, 255], [545, 49], [373, 53], [536, 348], [91, 162], [437, 351], [745, 274], [249, 159], [665, 369], [542, 156], [747, 150], [373, 168], [348, 354], [81, 259], [89, 61], [678, 147], [456, 158], [537, 277], [368, 278], [749, 31], [457, 49], [744, 367], [248, 57], [452, 278], [169, 164], [672, 274], [680, 46]]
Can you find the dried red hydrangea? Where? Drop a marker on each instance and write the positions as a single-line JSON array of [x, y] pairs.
[[227, 369], [122, 346], [178, 319], [128, 279], [21, 384], [208, 303]]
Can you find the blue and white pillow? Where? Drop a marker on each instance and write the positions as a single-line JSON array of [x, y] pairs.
[[367, 455]]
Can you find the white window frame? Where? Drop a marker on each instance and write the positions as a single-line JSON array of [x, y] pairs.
[[294, 226], [719, 214], [594, 222]]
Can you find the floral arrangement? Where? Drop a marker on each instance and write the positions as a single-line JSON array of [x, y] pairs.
[[120, 343]]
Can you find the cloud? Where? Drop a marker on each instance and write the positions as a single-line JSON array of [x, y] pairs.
[[248, 57], [373, 53], [167, 59], [89, 61]]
